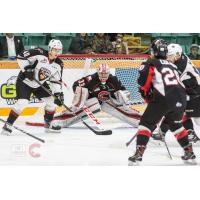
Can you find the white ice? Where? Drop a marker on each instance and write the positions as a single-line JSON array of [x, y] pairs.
[[80, 146]]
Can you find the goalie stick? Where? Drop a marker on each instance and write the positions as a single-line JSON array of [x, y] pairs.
[[23, 131], [90, 115]]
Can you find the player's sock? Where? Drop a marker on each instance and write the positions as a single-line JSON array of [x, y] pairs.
[[48, 117], [142, 140], [7, 129]]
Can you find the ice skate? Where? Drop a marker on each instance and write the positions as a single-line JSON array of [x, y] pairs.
[[52, 128], [137, 157], [6, 130], [189, 156]]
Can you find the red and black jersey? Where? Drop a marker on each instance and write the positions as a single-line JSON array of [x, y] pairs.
[[159, 79], [97, 89]]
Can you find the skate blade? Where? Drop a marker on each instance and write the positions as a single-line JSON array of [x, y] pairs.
[[52, 131], [190, 162], [130, 163], [6, 133]]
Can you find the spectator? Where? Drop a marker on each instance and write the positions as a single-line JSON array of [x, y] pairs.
[[81, 44], [101, 44], [119, 46], [194, 52], [10, 46]]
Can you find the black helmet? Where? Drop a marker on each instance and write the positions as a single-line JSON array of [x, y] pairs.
[[159, 48]]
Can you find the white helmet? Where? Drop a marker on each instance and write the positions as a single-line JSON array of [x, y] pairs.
[[56, 44], [174, 50]]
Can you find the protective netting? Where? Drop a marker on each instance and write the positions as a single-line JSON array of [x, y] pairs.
[[125, 67]]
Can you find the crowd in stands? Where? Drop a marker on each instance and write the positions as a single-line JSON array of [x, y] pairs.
[[85, 43]]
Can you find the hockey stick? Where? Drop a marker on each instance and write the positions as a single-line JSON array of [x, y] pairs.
[[101, 132], [129, 142], [23, 131], [159, 132]]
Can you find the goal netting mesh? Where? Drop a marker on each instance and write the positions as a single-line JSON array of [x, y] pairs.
[[125, 67]]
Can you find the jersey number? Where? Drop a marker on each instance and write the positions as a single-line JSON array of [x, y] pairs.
[[169, 76]]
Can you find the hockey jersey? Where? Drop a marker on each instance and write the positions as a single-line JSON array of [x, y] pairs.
[[189, 75], [161, 79], [97, 89], [44, 69]]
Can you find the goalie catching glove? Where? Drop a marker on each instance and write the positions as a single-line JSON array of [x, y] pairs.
[[59, 98], [122, 97]]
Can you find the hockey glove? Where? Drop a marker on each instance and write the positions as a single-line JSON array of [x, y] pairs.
[[59, 98], [29, 71]]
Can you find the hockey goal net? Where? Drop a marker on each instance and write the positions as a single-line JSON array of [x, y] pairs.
[[125, 67]]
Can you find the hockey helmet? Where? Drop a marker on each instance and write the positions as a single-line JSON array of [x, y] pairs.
[[174, 50], [55, 44], [159, 48], [103, 72]]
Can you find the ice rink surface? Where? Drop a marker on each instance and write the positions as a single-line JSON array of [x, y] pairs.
[[79, 146]]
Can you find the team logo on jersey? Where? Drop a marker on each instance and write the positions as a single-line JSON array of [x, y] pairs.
[[43, 74], [103, 95]]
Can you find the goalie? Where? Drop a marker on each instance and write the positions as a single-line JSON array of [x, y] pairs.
[[99, 91]]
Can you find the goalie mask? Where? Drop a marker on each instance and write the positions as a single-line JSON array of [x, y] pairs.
[[103, 73], [159, 49], [55, 45]]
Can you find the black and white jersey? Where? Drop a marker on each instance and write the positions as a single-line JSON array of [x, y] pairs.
[[189, 75], [162, 78], [44, 70], [97, 89]]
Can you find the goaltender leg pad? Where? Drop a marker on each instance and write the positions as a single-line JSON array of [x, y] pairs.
[[67, 118], [80, 97], [124, 113]]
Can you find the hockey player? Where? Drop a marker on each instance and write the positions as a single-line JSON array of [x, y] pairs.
[[99, 91], [160, 87], [40, 65], [191, 80]]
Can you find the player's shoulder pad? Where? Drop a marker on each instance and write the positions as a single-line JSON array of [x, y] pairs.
[[59, 62], [148, 63], [32, 52]]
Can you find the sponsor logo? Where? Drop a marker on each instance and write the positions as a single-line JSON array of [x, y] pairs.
[[8, 92]]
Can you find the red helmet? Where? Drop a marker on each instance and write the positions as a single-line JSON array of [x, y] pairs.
[[103, 72]]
